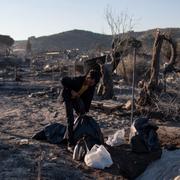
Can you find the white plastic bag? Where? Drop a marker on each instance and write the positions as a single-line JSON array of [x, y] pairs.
[[116, 139], [98, 157]]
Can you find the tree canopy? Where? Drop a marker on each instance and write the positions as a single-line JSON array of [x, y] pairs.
[[7, 40]]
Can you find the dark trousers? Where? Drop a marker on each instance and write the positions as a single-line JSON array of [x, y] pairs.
[[70, 106]]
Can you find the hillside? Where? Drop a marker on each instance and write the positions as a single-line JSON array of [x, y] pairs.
[[83, 40], [147, 37], [86, 40]]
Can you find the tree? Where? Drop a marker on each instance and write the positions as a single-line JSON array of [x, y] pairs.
[[28, 47], [152, 87], [121, 26], [5, 44], [155, 66], [7, 40]]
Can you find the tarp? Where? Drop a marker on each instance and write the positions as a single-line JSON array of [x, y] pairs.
[[168, 167]]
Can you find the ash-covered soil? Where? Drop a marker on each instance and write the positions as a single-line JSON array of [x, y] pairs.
[[21, 157]]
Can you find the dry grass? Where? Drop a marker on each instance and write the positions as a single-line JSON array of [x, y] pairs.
[[169, 103], [126, 71]]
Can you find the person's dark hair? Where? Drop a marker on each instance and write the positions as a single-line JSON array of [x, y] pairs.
[[94, 74]]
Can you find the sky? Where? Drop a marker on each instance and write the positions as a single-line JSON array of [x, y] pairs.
[[24, 18]]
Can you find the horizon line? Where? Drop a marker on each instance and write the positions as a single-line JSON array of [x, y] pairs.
[[91, 32]]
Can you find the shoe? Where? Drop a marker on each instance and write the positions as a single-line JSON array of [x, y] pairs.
[[70, 148]]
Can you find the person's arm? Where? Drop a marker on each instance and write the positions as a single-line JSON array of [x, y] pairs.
[[72, 82], [74, 94], [67, 82]]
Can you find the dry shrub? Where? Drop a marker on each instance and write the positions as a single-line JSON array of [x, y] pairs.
[[126, 71], [169, 105], [169, 102]]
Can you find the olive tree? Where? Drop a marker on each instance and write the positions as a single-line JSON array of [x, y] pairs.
[[120, 26]]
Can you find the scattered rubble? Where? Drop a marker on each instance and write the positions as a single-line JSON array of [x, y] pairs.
[[28, 105]]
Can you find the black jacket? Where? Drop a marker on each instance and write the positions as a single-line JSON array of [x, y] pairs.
[[75, 84]]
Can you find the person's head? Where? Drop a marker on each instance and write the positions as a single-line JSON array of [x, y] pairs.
[[92, 78]]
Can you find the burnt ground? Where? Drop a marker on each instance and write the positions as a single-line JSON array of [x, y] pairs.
[[21, 116]]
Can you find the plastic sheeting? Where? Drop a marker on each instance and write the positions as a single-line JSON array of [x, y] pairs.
[[166, 168]]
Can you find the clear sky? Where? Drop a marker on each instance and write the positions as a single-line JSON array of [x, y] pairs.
[[23, 18]]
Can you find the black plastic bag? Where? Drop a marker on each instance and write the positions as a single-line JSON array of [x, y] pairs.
[[86, 127], [146, 139], [80, 150], [53, 133], [87, 133]]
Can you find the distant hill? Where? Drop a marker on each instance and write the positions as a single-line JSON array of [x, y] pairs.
[[83, 40], [147, 37], [86, 40]]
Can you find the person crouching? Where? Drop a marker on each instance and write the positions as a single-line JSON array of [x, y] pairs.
[[77, 95]]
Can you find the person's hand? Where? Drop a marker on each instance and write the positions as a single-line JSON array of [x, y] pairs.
[[74, 94]]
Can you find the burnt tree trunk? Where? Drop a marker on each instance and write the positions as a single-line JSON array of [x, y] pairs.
[[170, 66], [105, 89], [153, 83], [148, 90]]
